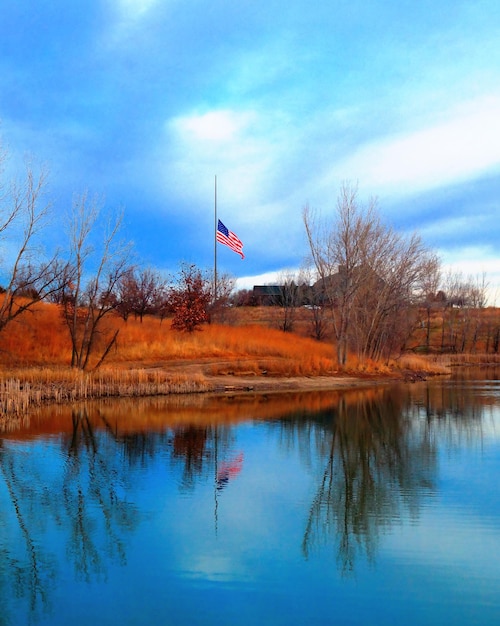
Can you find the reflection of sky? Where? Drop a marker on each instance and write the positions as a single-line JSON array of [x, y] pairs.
[[263, 502], [451, 556], [234, 557]]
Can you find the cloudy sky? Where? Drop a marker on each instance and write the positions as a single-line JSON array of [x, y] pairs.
[[145, 101]]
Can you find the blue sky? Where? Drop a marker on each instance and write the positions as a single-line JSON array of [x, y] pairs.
[[145, 101]]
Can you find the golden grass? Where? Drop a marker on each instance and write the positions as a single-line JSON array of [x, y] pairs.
[[422, 364], [155, 341], [450, 360], [150, 358], [25, 389]]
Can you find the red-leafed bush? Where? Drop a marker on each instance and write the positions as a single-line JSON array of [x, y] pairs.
[[190, 300]]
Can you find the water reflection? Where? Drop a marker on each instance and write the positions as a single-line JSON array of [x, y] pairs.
[[74, 487], [374, 469], [72, 480]]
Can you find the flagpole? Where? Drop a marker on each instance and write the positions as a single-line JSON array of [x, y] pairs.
[[215, 238]]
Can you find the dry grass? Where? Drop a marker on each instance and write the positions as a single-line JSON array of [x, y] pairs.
[[450, 360], [152, 359], [149, 359], [25, 389], [40, 339], [424, 364], [158, 342]]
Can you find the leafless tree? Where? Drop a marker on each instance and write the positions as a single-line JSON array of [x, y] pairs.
[[478, 288], [221, 297], [24, 212], [141, 292], [337, 253], [126, 294], [315, 304], [428, 295], [369, 275], [290, 296], [465, 299], [92, 275]]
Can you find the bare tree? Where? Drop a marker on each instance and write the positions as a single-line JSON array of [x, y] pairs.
[[465, 300], [92, 276], [395, 271], [316, 307], [428, 296], [478, 288], [24, 212], [290, 296], [141, 292], [453, 300], [126, 294], [337, 253], [463, 303], [220, 296], [369, 275]]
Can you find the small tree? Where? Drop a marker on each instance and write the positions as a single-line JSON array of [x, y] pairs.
[[190, 299], [90, 282], [292, 294], [24, 212], [141, 292], [220, 296]]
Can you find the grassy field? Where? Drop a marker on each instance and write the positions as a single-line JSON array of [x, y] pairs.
[[150, 358], [247, 342]]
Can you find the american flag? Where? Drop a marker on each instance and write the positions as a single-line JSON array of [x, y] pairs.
[[228, 238]]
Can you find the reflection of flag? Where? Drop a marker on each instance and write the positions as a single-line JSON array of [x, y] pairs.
[[228, 238], [229, 469]]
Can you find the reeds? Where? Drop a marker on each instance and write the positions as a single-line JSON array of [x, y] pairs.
[[27, 389], [150, 359], [423, 364], [453, 360]]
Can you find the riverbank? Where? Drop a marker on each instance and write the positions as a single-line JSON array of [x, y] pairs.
[[24, 389]]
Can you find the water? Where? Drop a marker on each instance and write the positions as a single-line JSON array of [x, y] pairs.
[[378, 506]]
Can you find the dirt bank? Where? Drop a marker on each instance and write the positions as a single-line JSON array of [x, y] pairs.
[[240, 382]]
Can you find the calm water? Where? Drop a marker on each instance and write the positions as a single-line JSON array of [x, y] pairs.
[[379, 506]]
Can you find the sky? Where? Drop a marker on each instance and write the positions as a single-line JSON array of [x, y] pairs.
[[145, 102]]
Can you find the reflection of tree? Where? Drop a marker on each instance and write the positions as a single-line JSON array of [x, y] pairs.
[[93, 497], [190, 445], [454, 410], [78, 486], [373, 470], [81, 493], [27, 568], [199, 449]]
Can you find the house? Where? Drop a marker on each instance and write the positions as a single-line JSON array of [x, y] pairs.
[[282, 295], [267, 295]]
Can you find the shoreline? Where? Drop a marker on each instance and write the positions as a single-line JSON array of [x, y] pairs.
[[257, 384], [21, 392]]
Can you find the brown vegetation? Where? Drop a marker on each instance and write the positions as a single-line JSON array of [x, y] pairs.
[[150, 358]]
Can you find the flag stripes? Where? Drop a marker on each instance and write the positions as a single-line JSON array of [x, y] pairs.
[[229, 239]]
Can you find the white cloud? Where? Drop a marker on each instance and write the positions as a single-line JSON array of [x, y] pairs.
[[248, 282], [474, 262], [135, 8], [463, 145], [226, 143], [214, 126]]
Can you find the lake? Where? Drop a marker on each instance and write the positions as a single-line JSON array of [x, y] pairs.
[[373, 506]]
